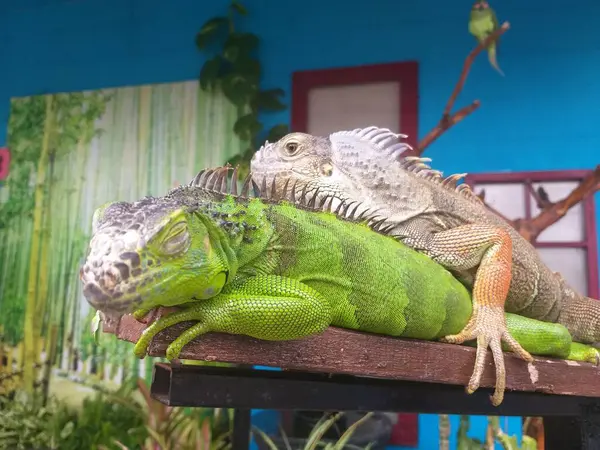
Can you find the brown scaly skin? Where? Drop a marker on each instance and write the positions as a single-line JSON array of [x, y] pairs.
[[444, 220]]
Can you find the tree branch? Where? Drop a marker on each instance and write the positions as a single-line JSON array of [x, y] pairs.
[[445, 123], [448, 120], [552, 212]]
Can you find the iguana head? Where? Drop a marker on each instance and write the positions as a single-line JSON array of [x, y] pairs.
[[158, 251], [365, 164], [346, 164], [303, 158]]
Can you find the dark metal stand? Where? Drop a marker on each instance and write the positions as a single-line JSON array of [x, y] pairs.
[[241, 429], [571, 422]]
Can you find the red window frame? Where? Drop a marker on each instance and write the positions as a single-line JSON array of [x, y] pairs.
[[589, 243], [405, 73]]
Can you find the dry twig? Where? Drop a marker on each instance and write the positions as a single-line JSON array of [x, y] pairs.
[[552, 212], [448, 119]]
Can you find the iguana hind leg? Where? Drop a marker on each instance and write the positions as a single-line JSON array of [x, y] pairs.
[[490, 250], [266, 307]]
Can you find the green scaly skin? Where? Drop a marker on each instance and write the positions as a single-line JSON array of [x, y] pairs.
[[275, 270]]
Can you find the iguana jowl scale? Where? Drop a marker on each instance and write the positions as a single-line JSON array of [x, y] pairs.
[[443, 220], [276, 267]]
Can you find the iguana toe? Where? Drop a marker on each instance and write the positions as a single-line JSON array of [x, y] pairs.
[[488, 326], [164, 322], [174, 349], [140, 314]]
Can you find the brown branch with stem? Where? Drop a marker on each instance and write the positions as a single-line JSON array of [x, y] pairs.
[[550, 212], [448, 119]]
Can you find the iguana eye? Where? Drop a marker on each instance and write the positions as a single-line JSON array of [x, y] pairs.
[[291, 148], [177, 240]]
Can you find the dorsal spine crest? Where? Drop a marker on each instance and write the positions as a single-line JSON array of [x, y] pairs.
[[391, 145], [216, 182]]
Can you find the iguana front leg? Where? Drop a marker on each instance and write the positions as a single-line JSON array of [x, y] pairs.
[[490, 250], [266, 307]]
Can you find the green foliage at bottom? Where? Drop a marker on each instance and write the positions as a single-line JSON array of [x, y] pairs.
[[26, 423], [315, 439], [494, 434]]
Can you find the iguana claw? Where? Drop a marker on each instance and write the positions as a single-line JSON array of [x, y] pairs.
[[488, 326], [140, 314]]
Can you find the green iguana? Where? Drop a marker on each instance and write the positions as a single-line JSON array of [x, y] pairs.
[[444, 220], [276, 268]]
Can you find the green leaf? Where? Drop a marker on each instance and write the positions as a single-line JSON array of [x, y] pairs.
[[341, 443], [277, 132], [320, 429], [528, 443], [269, 100], [210, 72], [247, 126], [239, 8], [248, 68], [67, 430], [265, 438], [238, 89], [239, 45], [96, 320], [210, 28]]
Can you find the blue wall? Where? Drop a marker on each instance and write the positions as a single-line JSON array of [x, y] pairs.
[[547, 101], [547, 104]]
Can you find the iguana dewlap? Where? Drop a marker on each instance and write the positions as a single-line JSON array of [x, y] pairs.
[[443, 220], [257, 266]]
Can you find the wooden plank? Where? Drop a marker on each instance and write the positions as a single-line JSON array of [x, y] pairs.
[[362, 354]]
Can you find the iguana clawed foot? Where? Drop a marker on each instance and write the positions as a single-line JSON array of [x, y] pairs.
[[488, 326], [140, 314], [167, 321]]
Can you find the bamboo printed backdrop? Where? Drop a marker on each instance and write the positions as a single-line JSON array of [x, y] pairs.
[[72, 152]]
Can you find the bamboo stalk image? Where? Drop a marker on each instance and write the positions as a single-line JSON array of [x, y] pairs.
[[71, 153]]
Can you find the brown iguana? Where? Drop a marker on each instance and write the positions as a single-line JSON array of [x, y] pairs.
[[446, 221]]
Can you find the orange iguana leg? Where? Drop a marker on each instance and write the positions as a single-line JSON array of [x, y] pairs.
[[490, 249]]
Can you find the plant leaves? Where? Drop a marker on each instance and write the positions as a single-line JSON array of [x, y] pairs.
[[320, 429], [528, 443], [238, 89], [239, 45], [96, 321], [67, 430], [210, 28], [270, 444], [341, 443], [249, 68], [277, 132], [269, 100], [210, 72], [239, 8], [247, 126]]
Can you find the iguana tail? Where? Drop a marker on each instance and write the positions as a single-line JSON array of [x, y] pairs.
[[578, 313], [581, 316]]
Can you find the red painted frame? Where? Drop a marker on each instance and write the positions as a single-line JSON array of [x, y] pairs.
[[4, 163], [590, 241], [405, 73], [406, 431]]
